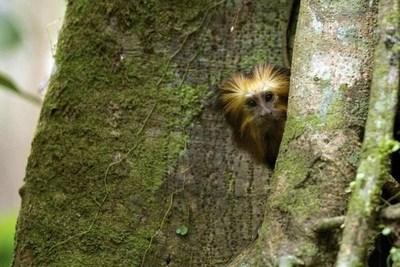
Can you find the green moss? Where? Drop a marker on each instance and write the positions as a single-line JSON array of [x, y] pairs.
[[306, 250], [101, 151], [259, 56], [304, 202], [388, 146], [114, 121]]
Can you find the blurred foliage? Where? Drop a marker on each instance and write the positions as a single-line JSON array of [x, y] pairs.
[[7, 230], [10, 35], [8, 84]]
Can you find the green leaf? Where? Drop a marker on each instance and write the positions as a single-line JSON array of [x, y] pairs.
[[6, 82], [182, 230]]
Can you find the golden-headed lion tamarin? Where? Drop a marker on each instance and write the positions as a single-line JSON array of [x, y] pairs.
[[255, 106]]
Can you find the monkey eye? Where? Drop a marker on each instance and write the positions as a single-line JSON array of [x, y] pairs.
[[251, 103], [268, 97]]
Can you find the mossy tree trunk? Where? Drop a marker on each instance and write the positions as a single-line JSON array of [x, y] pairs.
[[364, 205], [328, 103], [129, 149]]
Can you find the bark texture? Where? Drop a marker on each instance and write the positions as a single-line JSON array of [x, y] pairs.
[[328, 103], [131, 165], [359, 228]]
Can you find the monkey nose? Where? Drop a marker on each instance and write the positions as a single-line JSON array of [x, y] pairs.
[[266, 112]]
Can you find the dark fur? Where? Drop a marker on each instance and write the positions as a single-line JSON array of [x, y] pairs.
[[261, 140]]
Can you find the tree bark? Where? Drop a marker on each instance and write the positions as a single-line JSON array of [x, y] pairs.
[[131, 165], [359, 227], [328, 102]]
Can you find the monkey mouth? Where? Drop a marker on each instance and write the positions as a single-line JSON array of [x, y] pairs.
[[264, 121], [271, 121], [279, 116]]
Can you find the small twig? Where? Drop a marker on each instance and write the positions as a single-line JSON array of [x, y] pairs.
[[391, 212], [392, 187], [327, 224], [394, 197]]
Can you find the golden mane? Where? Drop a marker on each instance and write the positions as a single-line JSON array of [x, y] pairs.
[[264, 77], [233, 94]]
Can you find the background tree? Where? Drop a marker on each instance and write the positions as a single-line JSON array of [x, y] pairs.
[[331, 73]]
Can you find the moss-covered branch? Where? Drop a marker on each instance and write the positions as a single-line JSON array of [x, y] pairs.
[[378, 143]]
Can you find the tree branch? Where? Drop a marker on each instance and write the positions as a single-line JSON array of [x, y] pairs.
[[378, 143]]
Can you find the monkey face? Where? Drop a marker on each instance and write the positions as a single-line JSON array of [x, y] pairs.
[[263, 107]]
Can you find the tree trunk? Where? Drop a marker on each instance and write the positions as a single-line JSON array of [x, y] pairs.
[[328, 102], [131, 165], [360, 225]]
